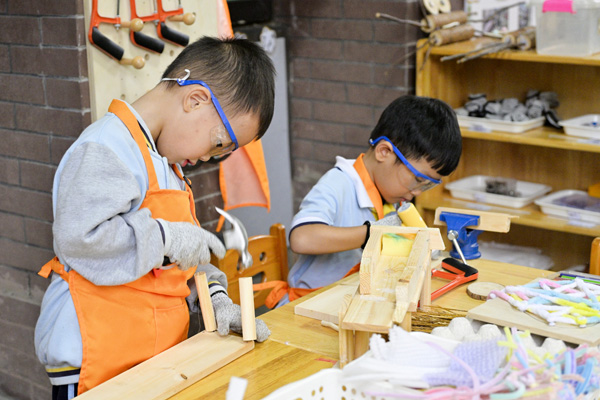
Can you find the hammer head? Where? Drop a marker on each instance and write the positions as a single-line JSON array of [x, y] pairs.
[[236, 238]]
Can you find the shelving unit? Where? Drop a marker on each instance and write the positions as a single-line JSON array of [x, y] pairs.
[[544, 155]]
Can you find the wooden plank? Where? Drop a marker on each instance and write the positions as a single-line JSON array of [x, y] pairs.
[[499, 312], [488, 221], [247, 309], [325, 305], [370, 258], [172, 370], [208, 313], [369, 313]]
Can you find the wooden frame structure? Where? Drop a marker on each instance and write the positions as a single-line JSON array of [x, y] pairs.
[[390, 289]]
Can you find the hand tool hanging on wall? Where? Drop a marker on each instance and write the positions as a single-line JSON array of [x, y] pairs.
[[140, 39], [109, 47], [166, 33]]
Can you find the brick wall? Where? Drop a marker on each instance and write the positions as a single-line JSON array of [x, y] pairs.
[[345, 67], [44, 105]]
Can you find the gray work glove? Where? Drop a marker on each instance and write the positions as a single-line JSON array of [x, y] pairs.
[[229, 317], [391, 220], [191, 245]]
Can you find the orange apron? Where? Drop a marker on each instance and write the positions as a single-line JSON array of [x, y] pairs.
[[121, 326]]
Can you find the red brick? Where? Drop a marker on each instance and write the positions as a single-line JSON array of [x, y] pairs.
[[391, 32], [38, 233], [18, 88], [337, 112], [26, 59], [318, 131], [58, 148], [303, 149], [301, 108], [25, 257], [311, 48], [19, 312], [307, 89], [48, 120], [307, 173], [67, 62], [67, 93], [37, 176], [300, 68], [206, 183], [9, 170], [296, 27], [4, 59], [26, 202], [7, 115], [373, 95], [205, 208], [368, 9], [37, 7], [391, 75], [339, 71], [358, 135], [373, 52], [66, 31], [13, 227], [318, 8], [342, 29], [24, 145], [19, 30]]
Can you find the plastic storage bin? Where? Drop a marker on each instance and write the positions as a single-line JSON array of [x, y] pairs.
[[474, 188], [583, 126], [574, 205], [567, 28]]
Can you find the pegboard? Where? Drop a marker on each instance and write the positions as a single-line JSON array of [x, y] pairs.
[[108, 79]]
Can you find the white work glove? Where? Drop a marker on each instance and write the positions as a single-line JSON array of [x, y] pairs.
[[229, 317], [191, 245], [391, 219]]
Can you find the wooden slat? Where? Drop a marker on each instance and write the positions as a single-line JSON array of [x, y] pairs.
[[172, 370], [488, 221]]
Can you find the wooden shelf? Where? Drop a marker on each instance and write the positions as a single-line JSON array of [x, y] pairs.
[[544, 137], [515, 55], [528, 216]]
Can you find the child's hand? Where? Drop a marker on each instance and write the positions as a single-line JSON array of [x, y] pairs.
[[229, 316], [191, 245]]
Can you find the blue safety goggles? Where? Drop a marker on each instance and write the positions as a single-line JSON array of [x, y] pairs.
[[422, 185], [184, 82]]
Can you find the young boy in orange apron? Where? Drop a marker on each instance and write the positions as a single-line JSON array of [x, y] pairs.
[[415, 142], [126, 236]]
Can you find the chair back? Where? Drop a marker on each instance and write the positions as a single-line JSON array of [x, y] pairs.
[[270, 263], [595, 257]]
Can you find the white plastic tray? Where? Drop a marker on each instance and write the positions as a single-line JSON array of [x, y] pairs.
[[584, 126], [473, 188], [548, 206], [488, 125]]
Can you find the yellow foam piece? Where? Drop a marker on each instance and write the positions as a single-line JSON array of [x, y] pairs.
[[393, 244]]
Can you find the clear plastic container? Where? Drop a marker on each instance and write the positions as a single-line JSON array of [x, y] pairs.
[[564, 33]]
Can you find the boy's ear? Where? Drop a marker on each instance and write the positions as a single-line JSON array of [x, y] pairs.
[[197, 96], [383, 150]]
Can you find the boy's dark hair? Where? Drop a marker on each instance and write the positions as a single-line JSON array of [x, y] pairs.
[[422, 127], [239, 73]]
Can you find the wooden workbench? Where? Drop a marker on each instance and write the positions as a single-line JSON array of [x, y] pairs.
[[299, 346]]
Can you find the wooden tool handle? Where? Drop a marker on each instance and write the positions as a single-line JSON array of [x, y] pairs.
[[247, 305], [208, 313], [187, 18], [137, 62], [135, 24]]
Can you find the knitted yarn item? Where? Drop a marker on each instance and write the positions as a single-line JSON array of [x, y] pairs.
[[484, 358]]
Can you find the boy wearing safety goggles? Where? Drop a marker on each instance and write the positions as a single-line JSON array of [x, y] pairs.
[[126, 236], [416, 142]]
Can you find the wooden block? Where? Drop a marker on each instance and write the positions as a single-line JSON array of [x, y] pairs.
[[480, 290], [488, 221], [361, 343], [370, 258], [425, 285], [247, 305], [367, 313], [173, 370], [208, 313], [325, 306], [346, 337]]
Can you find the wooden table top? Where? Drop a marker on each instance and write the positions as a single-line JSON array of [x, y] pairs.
[[300, 346]]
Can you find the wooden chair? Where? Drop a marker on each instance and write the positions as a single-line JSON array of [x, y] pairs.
[[270, 263], [595, 257]]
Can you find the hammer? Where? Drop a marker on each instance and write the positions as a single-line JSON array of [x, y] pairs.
[[236, 238]]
